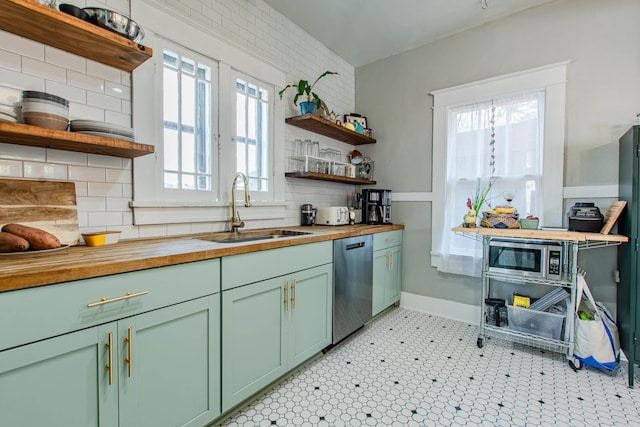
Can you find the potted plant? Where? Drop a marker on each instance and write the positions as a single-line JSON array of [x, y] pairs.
[[313, 102]]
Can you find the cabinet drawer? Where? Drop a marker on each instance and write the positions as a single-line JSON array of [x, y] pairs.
[[32, 314], [238, 270], [387, 239]]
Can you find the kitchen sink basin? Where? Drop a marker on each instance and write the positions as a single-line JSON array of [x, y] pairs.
[[251, 236]]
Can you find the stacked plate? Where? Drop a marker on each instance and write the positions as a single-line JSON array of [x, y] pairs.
[[9, 113], [109, 130], [45, 110]]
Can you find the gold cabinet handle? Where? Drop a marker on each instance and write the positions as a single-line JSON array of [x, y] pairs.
[[105, 300], [294, 294], [109, 367], [388, 260], [286, 296], [128, 360], [389, 239]]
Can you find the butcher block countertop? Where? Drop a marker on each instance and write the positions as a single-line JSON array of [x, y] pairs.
[[83, 262], [523, 233]]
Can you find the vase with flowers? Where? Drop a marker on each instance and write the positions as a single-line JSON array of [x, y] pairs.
[[480, 198]]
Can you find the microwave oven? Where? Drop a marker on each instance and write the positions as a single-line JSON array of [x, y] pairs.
[[528, 259]]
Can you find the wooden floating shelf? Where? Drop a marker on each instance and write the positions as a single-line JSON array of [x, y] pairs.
[[327, 177], [30, 19], [325, 127], [35, 136]]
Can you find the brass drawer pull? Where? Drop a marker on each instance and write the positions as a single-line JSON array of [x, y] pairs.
[[129, 359], [286, 296], [106, 300], [109, 367], [294, 293]]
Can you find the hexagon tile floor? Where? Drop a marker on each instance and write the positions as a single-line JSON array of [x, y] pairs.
[[408, 368]]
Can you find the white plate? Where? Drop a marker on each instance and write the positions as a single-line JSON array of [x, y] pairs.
[[33, 253], [102, 126], [107, 135]]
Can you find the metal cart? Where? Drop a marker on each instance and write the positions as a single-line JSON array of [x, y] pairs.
[[572, 242], [568, 281]]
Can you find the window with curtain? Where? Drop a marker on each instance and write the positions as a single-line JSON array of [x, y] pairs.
[[499, 144]]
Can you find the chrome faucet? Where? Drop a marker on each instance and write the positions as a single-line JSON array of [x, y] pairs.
[[236, 222]]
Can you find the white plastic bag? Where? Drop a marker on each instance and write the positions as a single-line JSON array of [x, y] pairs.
[[596, 341]]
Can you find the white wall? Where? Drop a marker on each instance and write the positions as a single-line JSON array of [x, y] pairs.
[[104, 183], [600, 39]]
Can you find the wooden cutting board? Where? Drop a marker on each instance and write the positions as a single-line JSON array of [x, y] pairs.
[[48, 205]]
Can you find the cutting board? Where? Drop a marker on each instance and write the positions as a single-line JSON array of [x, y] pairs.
[[48, 205]]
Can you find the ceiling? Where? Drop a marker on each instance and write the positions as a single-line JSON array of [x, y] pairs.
[[364, 31]]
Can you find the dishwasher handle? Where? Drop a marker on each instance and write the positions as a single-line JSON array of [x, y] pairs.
[[355, 245]]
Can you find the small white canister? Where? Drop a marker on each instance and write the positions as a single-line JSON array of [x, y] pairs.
[[350, 171]]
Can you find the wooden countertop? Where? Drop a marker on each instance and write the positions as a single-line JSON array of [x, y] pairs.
[[576, 236], [83, 262]]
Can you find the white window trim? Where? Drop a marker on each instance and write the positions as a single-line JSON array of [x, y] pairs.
[[553, 79], [149, 207]]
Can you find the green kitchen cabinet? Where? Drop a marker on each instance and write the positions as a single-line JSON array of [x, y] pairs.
[[387, 273], [270, 327], [136, 349]]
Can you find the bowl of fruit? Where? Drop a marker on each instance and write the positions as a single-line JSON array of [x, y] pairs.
[[530, 222]]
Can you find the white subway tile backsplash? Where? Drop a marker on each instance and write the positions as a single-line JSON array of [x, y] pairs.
[[64, 59], [86, 173], [66, 157], [83, 219], [22, 46], [127, 191], [102, 219], [178, 229], [103, 72], [84, 81], [105, 161], [117, 118], [103, 101], [45, 170], [91, 204], [104, 189], [117, 90], [44, 70], [12, 168], [70, 93], [152, 230], [85, 112], [22, 152], [118, 204], [20, 81], [9, 60], [119, 176], [81, 189]]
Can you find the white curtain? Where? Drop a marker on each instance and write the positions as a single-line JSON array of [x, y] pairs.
[[498, 141]]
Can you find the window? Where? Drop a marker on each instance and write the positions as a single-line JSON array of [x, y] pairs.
[[187, 117], [486, 134], [253, 132]]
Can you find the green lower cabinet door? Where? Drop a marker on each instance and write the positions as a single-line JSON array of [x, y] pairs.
[[386, 278], [61, 381], [380, 278], [309, 313], [395, 276], [253, 338], [170, 365]]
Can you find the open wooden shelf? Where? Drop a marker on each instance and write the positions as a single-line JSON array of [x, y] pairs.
[[17, 133], [327, 177], [325, 127], [47, 25]]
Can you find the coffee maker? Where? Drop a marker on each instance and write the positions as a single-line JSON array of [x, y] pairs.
[[307, 214], [376, 206]]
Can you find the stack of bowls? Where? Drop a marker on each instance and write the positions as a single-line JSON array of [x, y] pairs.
[[9, 113], [45, 110]]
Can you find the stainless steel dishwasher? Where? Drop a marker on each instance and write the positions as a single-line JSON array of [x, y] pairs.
[[352, 284]]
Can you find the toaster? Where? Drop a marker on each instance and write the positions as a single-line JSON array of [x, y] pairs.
[[332, 215]]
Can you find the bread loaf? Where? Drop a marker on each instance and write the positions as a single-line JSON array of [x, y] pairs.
[[38, 239]]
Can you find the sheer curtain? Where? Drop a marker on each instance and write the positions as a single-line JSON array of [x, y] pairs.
[[498, 141]]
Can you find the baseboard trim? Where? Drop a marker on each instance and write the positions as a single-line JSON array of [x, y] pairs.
[[441, 307]]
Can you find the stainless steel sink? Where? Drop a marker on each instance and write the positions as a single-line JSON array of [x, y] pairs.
[[251, 236]]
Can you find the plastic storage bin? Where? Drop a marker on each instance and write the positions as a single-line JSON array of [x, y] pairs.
[[535, 322]]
